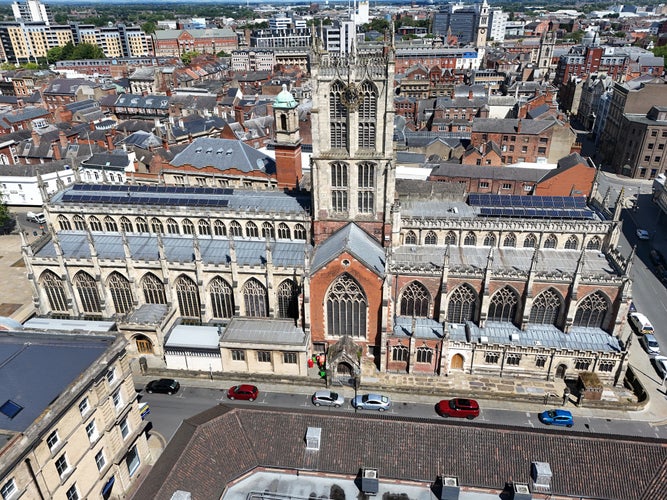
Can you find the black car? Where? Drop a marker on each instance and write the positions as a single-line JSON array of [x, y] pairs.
[[164, 386]]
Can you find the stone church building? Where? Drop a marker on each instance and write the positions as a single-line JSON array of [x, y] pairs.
[[383, 276]]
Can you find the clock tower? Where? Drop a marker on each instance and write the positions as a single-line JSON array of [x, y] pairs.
[[352, 165], [483, 25]]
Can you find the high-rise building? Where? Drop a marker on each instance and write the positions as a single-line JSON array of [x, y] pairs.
[[497, 24], [32, 11]]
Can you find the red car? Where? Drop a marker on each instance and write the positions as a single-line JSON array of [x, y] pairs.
[[243, 391], [458, 407]]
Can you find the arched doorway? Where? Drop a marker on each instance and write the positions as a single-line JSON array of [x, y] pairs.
[[144, 344], [457, 362], [345, 374], [560, 371]]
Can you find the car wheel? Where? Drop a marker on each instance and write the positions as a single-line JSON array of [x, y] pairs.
[[444, 415], [569, 425], [336, 406], [251, 399], [470, 418], [317, 404], [150, 391], [170, 393], [381, 409], [231, 397]]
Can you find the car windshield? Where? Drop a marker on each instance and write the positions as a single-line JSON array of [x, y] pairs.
[[332, 395], [552, 413]]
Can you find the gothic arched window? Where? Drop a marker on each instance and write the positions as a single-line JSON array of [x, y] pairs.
[[156, 226], [430, 238], [255, 299], [188, 227], [126, 225], [410, 238], [400, 352], [219, 228], [415, 300], [222, 298], [172, 227], [366, 188], [592, 310], [284, 232], [339, 187], [187, 294], [288, 300], [54, 288], [95, 224], [235, 228], [551, 241], [510, 240], [338, 116], [204, 227], [346, 308], [503, 305], [462, 305], [110, 224], [470, 240], [572, 243], [251, 230], [153, 289], [530, 241], [121, 292], [142, 225], [299, 232], [490, 240], [546, 308], [267, 231], [79, 223], [424, 354], [450, 238], [594, 243], [367, 115], [89, 296], [63, 222]]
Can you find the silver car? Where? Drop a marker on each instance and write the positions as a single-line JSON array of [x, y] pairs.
[[650, 344], [372, 402], [327, 398]]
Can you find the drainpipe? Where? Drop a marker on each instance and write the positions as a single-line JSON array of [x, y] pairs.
[[34, 478]]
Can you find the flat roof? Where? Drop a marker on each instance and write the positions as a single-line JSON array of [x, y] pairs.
[[69, 325], [195, 337], [36, 367], [263, 330]]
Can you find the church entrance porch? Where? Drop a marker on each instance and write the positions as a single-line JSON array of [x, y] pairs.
[[343, 363]]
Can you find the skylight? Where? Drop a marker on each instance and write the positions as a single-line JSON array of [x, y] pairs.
[[10, 408]]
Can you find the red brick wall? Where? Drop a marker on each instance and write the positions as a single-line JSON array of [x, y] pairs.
[[578, 178]]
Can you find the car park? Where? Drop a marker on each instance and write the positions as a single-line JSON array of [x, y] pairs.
[[557, 417], [660, 365], [245, 392], [163, 386], [650, 344], [640, 323], [372, 402], [643, 234], [458, 407], [327, 398]]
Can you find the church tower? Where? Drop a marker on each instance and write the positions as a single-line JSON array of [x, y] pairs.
[[483, 25], [353, 169], [546, 52], [287, 140]]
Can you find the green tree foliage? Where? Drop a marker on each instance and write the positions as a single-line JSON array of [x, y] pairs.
[[377, 24], [661, 52], [187, 57], [149, 27], [60, 18], [6, 220], [54, 54], [69, 52]]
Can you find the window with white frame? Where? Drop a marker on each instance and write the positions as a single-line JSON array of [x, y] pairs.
[[111, 375], [84, 407], [100, 460], [132, 460], [72, 493], [124, 428], [117, 398], [91, 431], [61, 465], [52, 440], [8, 490]]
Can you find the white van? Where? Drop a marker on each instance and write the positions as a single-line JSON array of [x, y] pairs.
[[640, 323], [38, 218]]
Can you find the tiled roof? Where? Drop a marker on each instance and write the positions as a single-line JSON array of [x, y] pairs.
[[202, 458], [448, 169], [355, 241], [224, 154], [509, 126]]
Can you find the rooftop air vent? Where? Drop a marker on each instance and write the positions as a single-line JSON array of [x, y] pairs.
[[313, 438], [541, 476], [369, 481], [450, 488], [514, 337], [484, 340], [520, 491]]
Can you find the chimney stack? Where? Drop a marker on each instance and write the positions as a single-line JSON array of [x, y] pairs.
[[63, 139], [35, 137]]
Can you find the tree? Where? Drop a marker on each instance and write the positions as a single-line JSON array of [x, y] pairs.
[[149, 27], [7, 222], [661, 52], [60, 18], [54, 54], [187, 57], [87, 51]]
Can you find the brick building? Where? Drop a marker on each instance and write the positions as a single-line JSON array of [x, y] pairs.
[[174, 43]]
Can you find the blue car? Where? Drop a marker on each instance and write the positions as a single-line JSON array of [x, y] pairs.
[[557, 417]]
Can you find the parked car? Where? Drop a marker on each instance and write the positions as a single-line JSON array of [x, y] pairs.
[[36, 217], [557, 417], [163, 386], [650, 344], [458, 407], [640, 323], [660, 365], [643, 234], [656, 257], [372, 402], [327, 398], [243, 391]]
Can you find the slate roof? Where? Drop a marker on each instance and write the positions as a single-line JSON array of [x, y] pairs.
[[68, 86], [116, 160], [509, 126], [178, 248], [24, 114], [224, 154], [142, 139], [201, 458], [263, 330], [355, 241], [448, 169], [142, 102]]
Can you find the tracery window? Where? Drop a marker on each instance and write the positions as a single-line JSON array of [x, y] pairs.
[[204, 228], [54, 288], [222, 298], [510, 240], [594, 243], [462, 305], [219, 228], [366, 188], [235, 228], [172, 226], [400, 353], [410, 238], [367, 115], [513, 359], [551, 241], [572, 243], [288, 300], [582, 364], [188, 227], [255, 299], [79, 223], [546, 308], [110, 224], [95, 224], [121, 292], [126, 225], [267, 231], [430, 238], [187, 294], [592, 310], [450, 238], [530, 241], [299, 232], [424, 354], [64, 223], [490, 240], [338, 116], [284, 231], [251, 230], [89, 296], [339, 187], [153, 289], [470, 240], [142, 225], [415, 300], [503, 305], [346, 308], [156, 226]]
